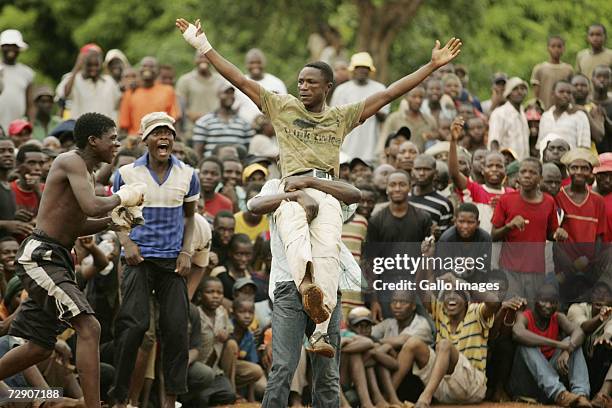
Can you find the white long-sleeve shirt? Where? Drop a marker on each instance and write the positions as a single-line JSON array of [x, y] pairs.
[[509, 128]]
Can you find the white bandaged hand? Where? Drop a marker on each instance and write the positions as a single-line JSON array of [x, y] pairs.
[[132, 194], [199, 42], [126, 218]]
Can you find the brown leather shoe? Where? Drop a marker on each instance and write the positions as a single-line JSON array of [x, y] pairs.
[[566, 399], [319, 344], [312, 299]]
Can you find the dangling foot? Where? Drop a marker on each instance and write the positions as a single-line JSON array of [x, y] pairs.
[[319, 344], [312, 299]]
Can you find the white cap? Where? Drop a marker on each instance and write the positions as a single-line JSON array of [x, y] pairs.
[[154, 120], [8, 37]]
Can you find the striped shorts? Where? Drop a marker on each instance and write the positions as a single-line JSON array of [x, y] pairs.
[[46, 270]]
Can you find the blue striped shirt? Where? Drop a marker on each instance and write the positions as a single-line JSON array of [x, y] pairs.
[[162, 234], [212, 130]]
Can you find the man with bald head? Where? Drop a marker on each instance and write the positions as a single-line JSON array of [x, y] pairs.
[[551, 179], [424, 195], [150, 96], [255, 62], [379, 179]]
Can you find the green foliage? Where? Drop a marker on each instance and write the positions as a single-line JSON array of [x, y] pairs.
[[498, 35]]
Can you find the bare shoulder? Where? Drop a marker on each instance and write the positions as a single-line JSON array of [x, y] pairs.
[[70, 162]]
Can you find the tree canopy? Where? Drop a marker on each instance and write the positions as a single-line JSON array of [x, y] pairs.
[[498, 35]]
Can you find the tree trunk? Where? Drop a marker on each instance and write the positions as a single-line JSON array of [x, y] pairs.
[[379, 26]]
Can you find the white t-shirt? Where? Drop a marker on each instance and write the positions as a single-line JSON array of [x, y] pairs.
[[247, 109], [101, 96], [202, 239], [419, 327], [360, 142], [17, 78]]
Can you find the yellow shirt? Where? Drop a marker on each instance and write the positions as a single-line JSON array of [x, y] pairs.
[[309, 140], [252, 231], [471, 335]]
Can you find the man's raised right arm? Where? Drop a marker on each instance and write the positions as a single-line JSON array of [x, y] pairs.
[[194, 35]]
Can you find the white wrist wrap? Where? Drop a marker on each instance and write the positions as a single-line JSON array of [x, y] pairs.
[[199, 42]]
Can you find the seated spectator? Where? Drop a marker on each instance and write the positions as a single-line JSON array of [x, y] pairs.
[[218, 350], [549, 349], [248, 371], [594, 318], [461, 347], [500, 345], [358, 368], [236, 266], [211, 170], [408, 320], [8, 250], [248, 223], [199, 375]]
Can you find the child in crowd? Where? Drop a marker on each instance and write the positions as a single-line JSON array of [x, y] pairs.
[[218, 350], [237, 266], [248, 372]]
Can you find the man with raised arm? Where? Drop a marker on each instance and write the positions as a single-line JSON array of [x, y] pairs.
[[310, 135], [44, 263]]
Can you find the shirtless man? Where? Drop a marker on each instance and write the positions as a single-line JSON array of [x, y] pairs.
[[45, 265]]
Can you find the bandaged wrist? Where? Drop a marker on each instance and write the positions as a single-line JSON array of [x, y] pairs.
[[199, 42]]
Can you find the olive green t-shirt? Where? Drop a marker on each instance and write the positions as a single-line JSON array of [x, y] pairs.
[[309, 140]]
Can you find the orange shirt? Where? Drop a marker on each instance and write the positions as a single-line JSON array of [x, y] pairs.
[[137, 103]]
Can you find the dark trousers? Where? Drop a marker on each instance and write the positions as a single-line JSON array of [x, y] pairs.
[[133, 321]]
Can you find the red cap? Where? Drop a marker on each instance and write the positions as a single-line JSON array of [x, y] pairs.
[[605, 163], [18, 125], [90, 47]]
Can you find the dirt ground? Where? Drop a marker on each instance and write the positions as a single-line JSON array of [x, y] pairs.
[[482, 405]]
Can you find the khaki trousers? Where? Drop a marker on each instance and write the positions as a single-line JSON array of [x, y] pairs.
[[317, 243]]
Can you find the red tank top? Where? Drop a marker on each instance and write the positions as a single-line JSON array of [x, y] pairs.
[[551, 332]]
